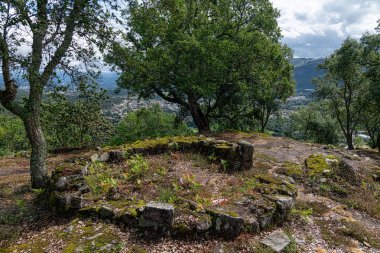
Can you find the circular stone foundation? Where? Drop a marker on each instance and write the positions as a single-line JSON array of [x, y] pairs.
[[191, 186]]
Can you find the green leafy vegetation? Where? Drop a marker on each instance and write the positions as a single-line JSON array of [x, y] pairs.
[[137, 168], [12, 135], [148, 122], [75, 122], [202, 56]]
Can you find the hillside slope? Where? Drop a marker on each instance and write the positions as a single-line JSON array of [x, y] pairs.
[[334, 211]]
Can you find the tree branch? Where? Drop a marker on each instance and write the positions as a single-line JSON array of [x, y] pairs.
[[67, 40]]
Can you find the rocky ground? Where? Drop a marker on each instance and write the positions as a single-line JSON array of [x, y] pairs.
[[334, 211]]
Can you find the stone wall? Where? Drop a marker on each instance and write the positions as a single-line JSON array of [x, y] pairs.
[[233, 156]]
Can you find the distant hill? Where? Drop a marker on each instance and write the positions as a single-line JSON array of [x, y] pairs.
[[305, 69]]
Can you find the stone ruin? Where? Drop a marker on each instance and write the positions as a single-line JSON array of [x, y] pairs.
[[269, 206]]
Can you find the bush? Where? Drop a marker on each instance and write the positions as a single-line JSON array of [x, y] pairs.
[[148, 122], [12, 135], [313, 123]]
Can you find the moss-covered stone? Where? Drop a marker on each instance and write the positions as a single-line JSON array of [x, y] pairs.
[[293, 169], [318, 163], [269, 179]]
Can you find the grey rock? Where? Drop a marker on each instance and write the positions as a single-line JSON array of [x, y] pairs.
[[265, 220], [243, 201], [105, 157], [62, 183], [84, 170], [222, 249], [251, 225], [246, 150], [277, 241], [107, 212], [84, 189], [68, 229], [156, 215], [69, 201], [347, 172], [203, 225], [115, 156], [283, 203], [94, 157], [226, 225]]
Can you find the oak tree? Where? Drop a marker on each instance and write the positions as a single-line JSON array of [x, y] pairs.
[[38, 38], [199, 54]]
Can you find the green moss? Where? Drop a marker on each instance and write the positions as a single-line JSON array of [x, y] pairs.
[[233, 214], [182, 228], [151, 143], [120, 203], [316, 163], [269, 178], [293, 169], [266, 158], [88, 238]]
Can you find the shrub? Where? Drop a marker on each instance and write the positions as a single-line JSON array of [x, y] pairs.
[[12, 135], [148, 123]]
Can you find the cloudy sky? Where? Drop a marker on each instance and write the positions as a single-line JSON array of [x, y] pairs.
[[315, 28]]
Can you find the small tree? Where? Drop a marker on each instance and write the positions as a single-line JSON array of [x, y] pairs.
[[276, 84], [201, 55], [343, 87], [52, 34], [371, 62]]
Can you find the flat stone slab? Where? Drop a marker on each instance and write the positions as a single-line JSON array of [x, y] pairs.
[[277, 241]]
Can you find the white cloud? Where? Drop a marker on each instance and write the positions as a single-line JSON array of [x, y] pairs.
[[315, 28]]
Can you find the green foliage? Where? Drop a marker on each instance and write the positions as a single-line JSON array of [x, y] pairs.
[[343, 87], [167, 196], [77, 121], [138, 166], [148, 123], [100, 178], [200, 55], [313, 123], [371, 62], [12, 135]]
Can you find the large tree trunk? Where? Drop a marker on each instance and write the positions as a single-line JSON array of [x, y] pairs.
[[200, 120], [38, 172], [350, 143]]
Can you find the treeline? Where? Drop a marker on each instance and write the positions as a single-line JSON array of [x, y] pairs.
[[347, 96]]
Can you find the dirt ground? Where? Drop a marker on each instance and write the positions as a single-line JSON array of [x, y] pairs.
[[320, 223]]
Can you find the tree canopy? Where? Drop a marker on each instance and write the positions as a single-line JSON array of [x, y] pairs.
[[36, 39], [202, 55], [343, 86]]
